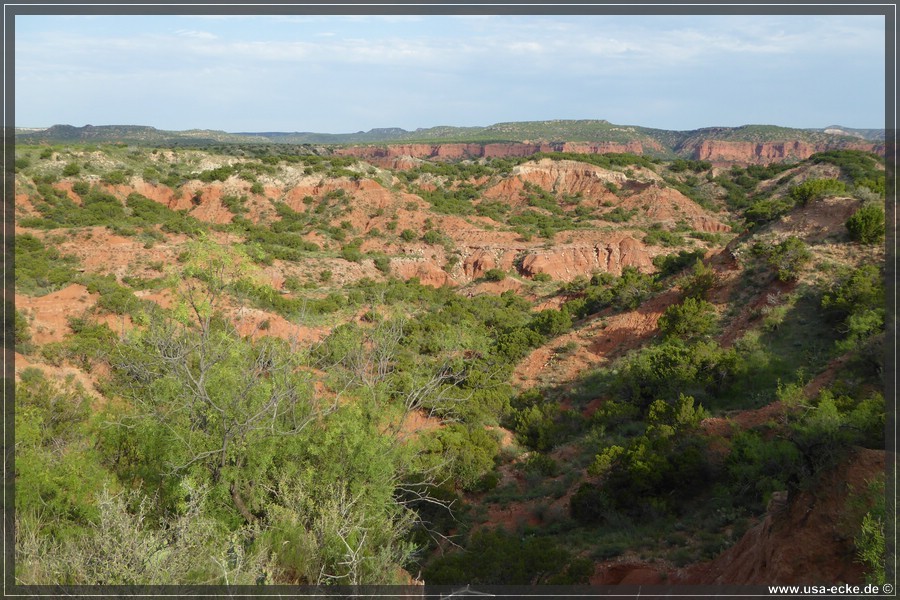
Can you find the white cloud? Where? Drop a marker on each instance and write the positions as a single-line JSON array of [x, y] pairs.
[[198, 35]]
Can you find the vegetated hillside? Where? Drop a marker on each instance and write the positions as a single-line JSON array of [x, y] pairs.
[[747, 144], [259, 364]]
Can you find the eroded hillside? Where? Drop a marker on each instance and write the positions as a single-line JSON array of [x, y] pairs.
[[360, 369]]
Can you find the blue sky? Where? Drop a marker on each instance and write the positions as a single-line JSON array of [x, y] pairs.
[[339, 74]]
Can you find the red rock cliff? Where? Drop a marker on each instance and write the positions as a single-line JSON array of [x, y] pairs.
[[390, 152], [767, 152]]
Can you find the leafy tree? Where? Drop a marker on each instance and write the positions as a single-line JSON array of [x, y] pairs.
[[668, 457], [219, 400], [57, 470], [128, 546]]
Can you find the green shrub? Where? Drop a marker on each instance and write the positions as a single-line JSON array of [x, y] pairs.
[[866, 225], [692, 319], [466, 453], [550, 322], [815, 189], [351, 252], [854, 289], [668, 369], [591, 505], [114, 177], [870, 541], [515, 344], [237, 205], [57, 471], [757, 467], [700, 280], [114, 298], [861, 168], [767, 209], [643, 476], [500, 558], [619, 215], [669, 264], [661, 237], [408, 235], [71, 169], [433, 236], [22, 333], [604, 289], [789, 257], [697, 166], [494, 275], [91, 342], [218, 174], [81, 187], [40, 270], [382, 263], [453, 202]]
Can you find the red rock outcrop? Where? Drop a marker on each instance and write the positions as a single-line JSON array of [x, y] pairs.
[[767, 152], [483, 259], [427, 272], [389, 154], [660, 203], [560, 177], [567, 261]]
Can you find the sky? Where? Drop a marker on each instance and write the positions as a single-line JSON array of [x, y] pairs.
[[342, 74]]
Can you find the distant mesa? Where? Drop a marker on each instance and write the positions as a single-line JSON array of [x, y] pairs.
[[752, 144]]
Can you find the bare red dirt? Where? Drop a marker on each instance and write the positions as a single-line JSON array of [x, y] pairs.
[[596, 342], [48, 315]]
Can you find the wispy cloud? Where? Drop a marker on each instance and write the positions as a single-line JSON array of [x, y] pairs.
[[198, 35]]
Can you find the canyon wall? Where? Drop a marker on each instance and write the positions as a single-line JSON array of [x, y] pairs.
[[767, 152], [717, 151], [386, 155]]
